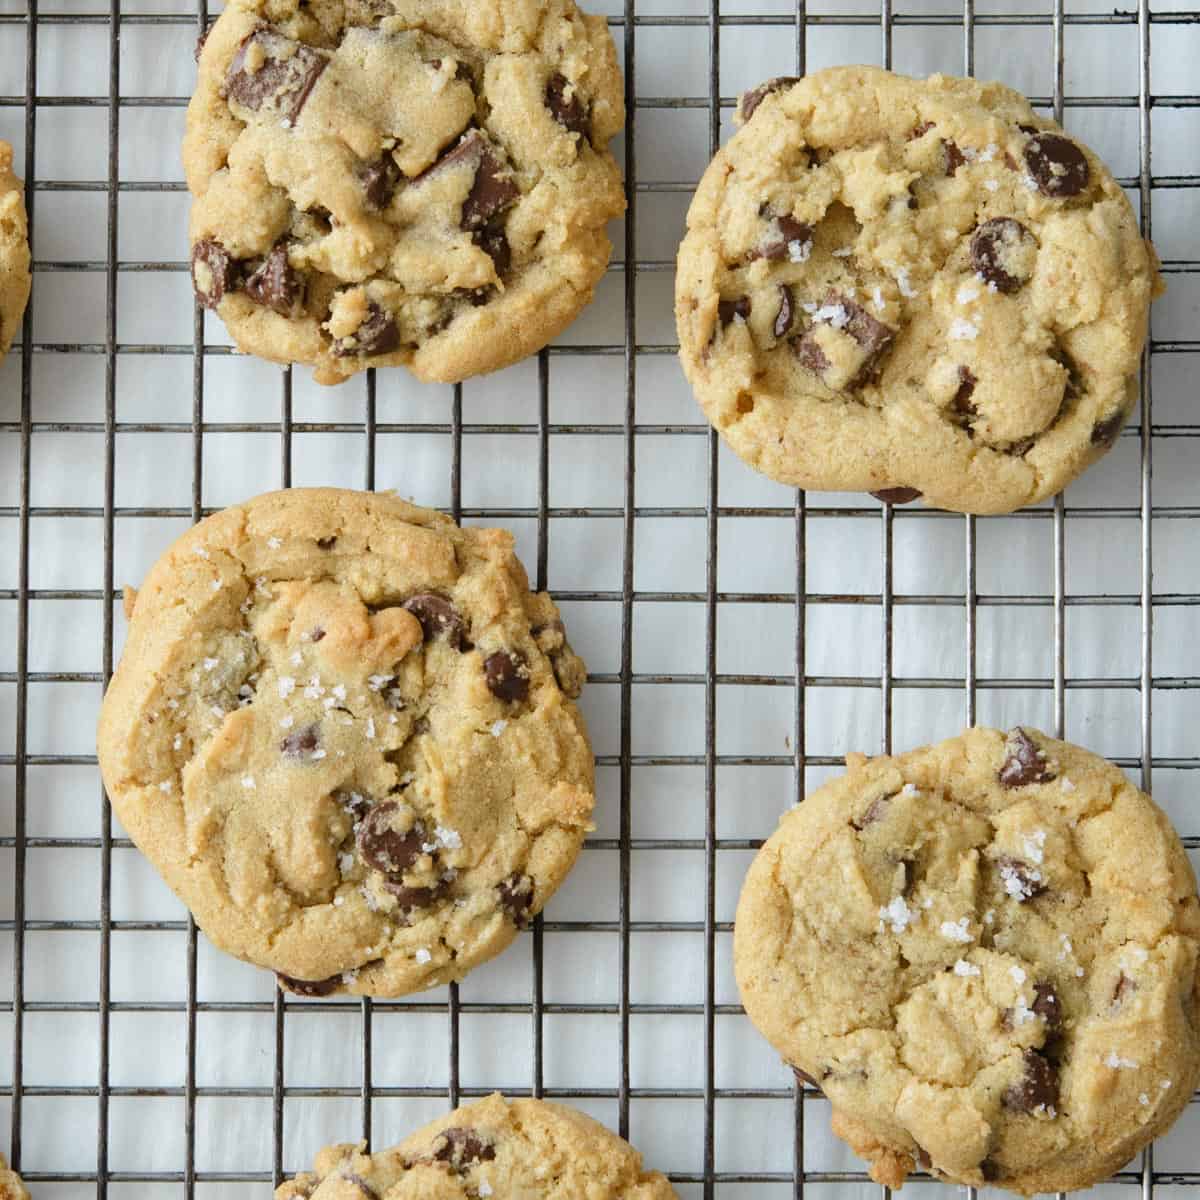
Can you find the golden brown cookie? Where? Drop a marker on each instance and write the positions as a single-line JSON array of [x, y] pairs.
[[984, 953], [916, 287], [11, 1187], [342, 729], [402, 182], [14, 251], [495, 1147]]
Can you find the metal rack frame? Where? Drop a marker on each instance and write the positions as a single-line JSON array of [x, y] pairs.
[[27, 517]]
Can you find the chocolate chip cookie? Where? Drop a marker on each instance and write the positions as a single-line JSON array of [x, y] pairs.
[[402, 182], [984, 953], [915, 287], [494, 1147], [14, 251], [342, 729], [11, 1187]]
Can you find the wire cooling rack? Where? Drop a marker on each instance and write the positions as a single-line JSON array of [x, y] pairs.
[[741, 637]]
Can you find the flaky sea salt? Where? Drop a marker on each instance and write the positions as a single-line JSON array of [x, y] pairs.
[[992, 185], [962, 330], [498, 727], [423, 956], [897, 914], [842, 252], [378, 682], [211, 664], [177, 744], [287, 722], [274, 543], [1143, 1099], [956, 931], [1018, 975], [318, 754], [962, 967], [370, 728], [877, 299], [339, 690], [906, 288], [200, 551], [1035, 846], [1117, 1063], [966, 294], [166, 786], [832, 314], [248, 783], [1067, 785], [799, 251], [287, 685], [448, 838], [485, 1188]]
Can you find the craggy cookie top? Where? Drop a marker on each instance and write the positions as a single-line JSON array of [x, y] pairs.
[[984, 953], [495, 1147], [890, 283], [417, 182], [14, 251], [342, 730], [11, 1187]]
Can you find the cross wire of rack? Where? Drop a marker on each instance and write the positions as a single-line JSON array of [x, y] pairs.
[[703, 1178]]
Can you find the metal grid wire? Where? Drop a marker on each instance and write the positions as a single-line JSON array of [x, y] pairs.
[[703, 1177]]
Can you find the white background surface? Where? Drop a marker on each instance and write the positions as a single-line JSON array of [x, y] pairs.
[[1015, 557]]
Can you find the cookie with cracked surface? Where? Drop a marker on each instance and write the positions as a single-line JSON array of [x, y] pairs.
[[14, 251], [343, 730], [984, 953], [912, 287], [494, 1147], [11, 1187], [402, 182]]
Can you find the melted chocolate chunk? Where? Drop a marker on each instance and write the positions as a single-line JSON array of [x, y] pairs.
[[316, 635], [1104, 433], [1057, 165], [274, 284], [304, 743], [897, 495], [783, 318], [961, 403], [326, 543], [378, 334], [1021, 880], [507, 675], [1125, 987], [460, 1147], [1025, 763], [810, 354], [785, 233], [919, 130], [874, 337], [438, 617], [310, 987], [570, 111], [379, 181], [494, 188], [952, 156], [752, 99], [728, 309], [1037, 1089], [1000, 253], [1046, 1005], [411, 898], [386, 849], [493, 241], [214, 272], [876, 812], [515, 895], [273, 71]]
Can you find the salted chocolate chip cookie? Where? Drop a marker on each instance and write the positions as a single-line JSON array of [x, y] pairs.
[[494, 1147], [912, 287], [14, 251], [11, 1187], [402, 182], [342, 729], [984, 953]]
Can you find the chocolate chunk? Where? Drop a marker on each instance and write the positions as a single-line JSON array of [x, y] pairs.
[[310, 987], [363, 1186], [1025, 763], [507, 675], [379, 181], [1020, 448], [1047, 1006], [569, 111], [1002, 252], [785, 233], [493, 241], [494, 188], [1125, 987], [378, 334], [326, 543], [214, 272], [516, 897], [728, 309], [1058, 165], [752, 99], [384, 848], [874, 337], [270, 70], [1021, 880], [991, 1170], [783, 318], [952, 156], [274, 284], [411, 898], [316, 635], [304, 743], [1037, 1089], [918, 131], [1104, 433], [897, 495], [437, 616], [961, 403], [461, 1147]]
